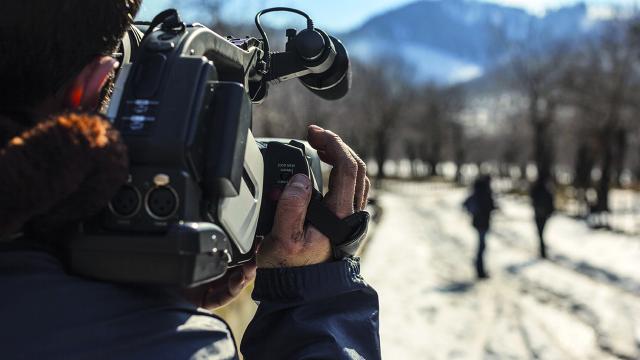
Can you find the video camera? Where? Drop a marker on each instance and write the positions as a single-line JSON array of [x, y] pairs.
[[202, 191]]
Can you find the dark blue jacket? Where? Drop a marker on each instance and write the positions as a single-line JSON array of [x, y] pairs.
[[317, 312], [322, 311]]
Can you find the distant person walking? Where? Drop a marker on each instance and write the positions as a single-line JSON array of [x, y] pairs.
[[543, 208], [480, 205]]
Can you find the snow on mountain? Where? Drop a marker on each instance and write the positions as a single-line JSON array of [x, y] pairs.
[[427, 64], [439, 66], [451, 41]]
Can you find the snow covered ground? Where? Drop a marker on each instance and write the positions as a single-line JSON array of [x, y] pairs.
[[582, 304], [625, 210]]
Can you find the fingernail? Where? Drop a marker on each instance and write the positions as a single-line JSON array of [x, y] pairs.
[[300, 181], [316, 128]]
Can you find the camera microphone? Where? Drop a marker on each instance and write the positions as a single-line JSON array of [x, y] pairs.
[[331, 79], [319, 60]]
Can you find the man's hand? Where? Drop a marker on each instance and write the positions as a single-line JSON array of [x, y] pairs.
[[290, 244], [220, 292]]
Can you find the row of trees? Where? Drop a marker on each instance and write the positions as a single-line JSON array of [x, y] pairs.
[[582, 100], [568, 109], [383, 117]]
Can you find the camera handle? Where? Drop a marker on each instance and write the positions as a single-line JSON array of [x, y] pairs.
[[345, 234]]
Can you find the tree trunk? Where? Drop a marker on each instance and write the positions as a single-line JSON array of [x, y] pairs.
[[542, 157], [583, 167], [544, 144], [458, 148], [412, 156], [459, 164], [620, 154], [433, 155], [605, 181], [381, 151], [433, 165]]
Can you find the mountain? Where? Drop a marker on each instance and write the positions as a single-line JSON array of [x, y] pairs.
[[450, 41]]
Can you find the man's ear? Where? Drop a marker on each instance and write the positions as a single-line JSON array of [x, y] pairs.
[[86, 87]]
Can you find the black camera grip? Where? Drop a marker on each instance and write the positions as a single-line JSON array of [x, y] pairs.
[[345, 234], [282, 161]]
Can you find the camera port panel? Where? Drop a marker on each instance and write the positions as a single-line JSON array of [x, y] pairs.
[[126, 203], [161, 202]]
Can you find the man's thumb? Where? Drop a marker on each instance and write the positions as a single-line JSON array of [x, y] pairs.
[[292, 209]]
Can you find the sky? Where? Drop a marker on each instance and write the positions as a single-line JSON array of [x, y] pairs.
[[343, 15]]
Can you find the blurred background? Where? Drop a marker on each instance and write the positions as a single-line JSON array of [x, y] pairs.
[[543, 97]]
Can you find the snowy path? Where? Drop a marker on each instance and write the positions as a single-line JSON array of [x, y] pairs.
[[583, 304]]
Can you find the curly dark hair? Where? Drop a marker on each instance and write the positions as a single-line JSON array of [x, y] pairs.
[[45, 43], [60, 171]]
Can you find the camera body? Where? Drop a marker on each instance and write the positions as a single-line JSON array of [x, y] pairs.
[[201, 190]]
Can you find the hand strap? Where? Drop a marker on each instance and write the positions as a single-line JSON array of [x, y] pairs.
[[345, 234]]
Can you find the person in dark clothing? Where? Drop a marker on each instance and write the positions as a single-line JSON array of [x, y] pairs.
[[543, 207], [60, 162], [480, 205]]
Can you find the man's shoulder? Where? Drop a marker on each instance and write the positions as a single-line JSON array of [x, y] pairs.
[[75, 317]]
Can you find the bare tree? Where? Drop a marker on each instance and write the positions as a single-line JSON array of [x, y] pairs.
[[516, 145], [383, 96], [439, 133], [458, 145], [537, 72], [603, 83]]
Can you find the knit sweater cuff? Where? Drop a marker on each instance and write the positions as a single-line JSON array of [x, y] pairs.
[[308, 283]]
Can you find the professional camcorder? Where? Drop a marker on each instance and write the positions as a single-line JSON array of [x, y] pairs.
[[202, 191]]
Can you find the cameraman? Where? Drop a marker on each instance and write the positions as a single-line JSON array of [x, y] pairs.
[[60, 163]]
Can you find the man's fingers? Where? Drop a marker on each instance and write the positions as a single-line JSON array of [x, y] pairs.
[[333, 149], [240, 279], [360, 195], [249, 271], [362, 182], [222, 291], [367, 186], [288, 225], [234, 285], [344, 175]]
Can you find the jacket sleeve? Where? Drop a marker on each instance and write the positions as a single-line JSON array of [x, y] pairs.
[[324, 311]]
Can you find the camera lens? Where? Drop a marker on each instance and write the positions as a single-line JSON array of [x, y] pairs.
[[162, 202], [126, 203]]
